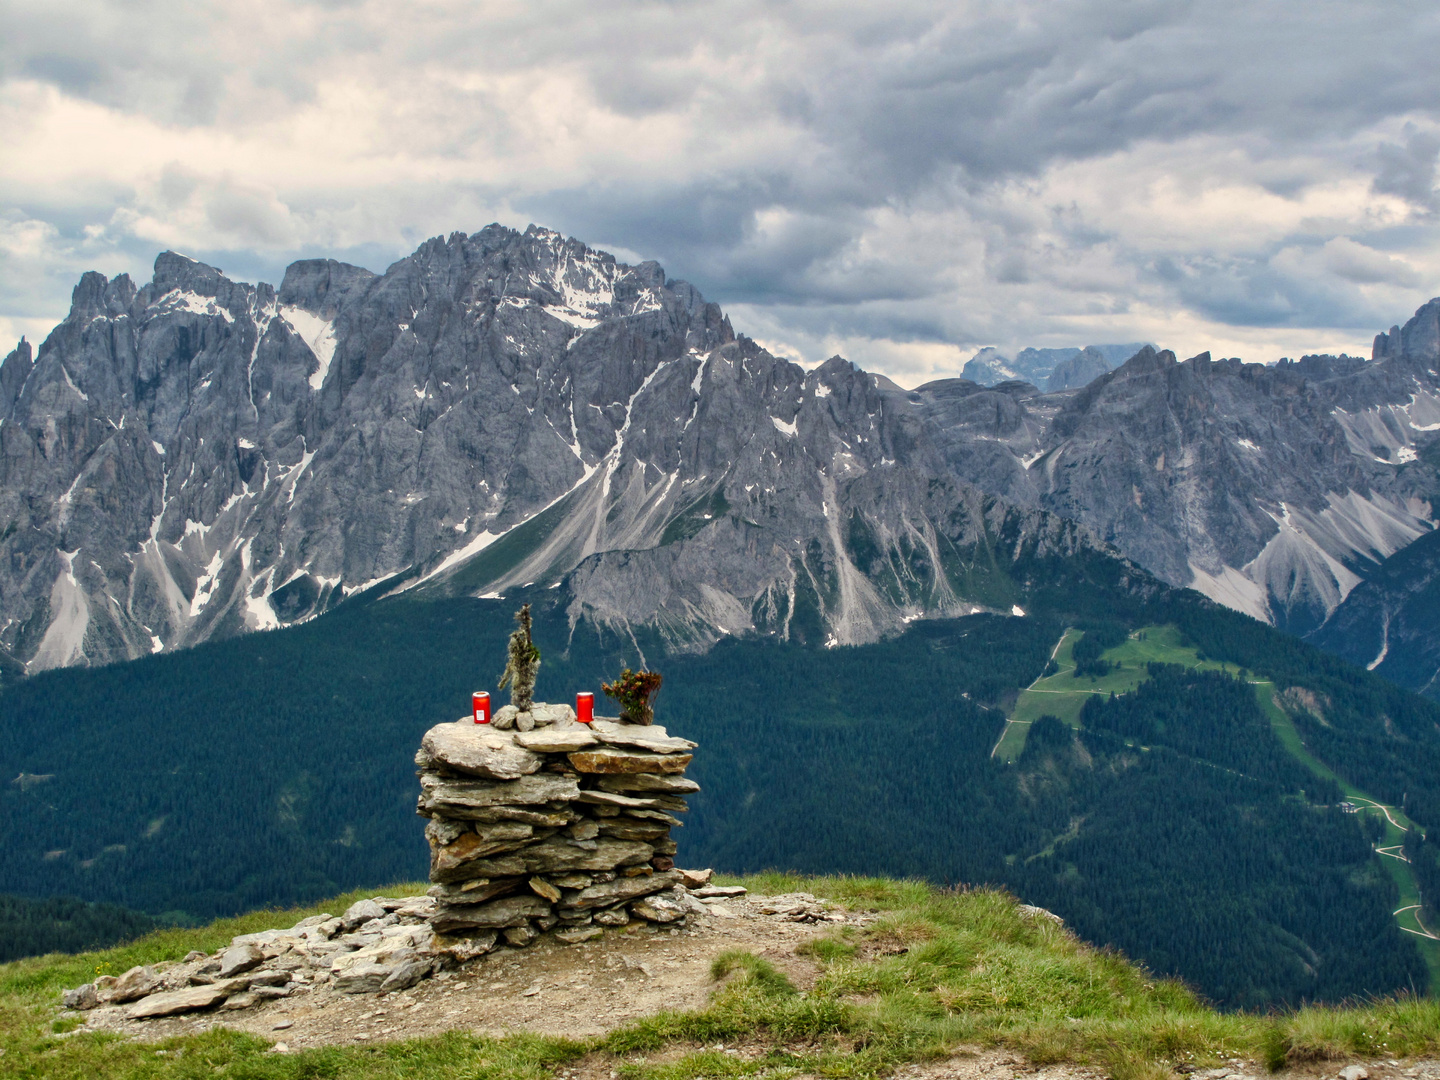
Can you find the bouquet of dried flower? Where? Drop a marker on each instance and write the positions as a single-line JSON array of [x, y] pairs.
[[635, 690]]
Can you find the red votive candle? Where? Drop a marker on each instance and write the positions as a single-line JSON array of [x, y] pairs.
[[584, 708], [480, 702]]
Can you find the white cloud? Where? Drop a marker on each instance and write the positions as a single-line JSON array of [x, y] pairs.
[[26, 239], [901, 184]]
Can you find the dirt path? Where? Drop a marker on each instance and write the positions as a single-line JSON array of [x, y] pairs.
[[575, 990]]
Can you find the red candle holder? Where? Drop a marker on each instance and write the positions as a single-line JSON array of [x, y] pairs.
[[585, 708], [480, 703]]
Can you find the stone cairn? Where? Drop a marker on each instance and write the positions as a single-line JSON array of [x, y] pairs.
[[540, 823]]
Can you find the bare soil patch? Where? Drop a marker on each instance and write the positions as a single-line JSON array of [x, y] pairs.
[[577, 991]]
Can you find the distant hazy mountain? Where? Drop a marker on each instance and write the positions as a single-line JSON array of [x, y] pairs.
[[1079, 370], [989, 367], [1055, 369]]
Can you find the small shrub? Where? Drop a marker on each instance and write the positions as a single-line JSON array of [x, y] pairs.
[[635, 691]]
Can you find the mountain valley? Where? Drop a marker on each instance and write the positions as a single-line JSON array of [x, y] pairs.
[[834, 572]]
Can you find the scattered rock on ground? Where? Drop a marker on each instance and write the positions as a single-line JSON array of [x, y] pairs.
[[134, 984], [170, 1002], [239, 958], [588, 976], [82, 997]]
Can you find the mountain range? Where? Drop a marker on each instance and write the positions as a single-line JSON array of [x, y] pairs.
[[195, 457]]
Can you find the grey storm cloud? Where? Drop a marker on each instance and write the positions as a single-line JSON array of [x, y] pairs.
[[1408, 169], [954, 174]]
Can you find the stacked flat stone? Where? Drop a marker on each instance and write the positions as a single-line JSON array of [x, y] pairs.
[[378, 945], [539, 823]]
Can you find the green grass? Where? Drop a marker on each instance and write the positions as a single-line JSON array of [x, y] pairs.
[[1063, 695], [937, 971]]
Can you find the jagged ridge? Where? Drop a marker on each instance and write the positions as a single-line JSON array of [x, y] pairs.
[[198, 457]]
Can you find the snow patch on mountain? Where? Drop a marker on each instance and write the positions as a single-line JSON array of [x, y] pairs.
[[184, 300], [1387, 433], [318, 334]]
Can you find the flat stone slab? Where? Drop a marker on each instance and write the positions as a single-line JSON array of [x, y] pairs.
[[651, 815], [579, 934], [640, 737], [560, 739], [448, 863], [540, 818], [511, 911], [610, 798], [629, 782], [454, 798], [614, 892], [639, 805], [607, 760], [479, 750], [174, 1002], [475, 891], [555, 856]]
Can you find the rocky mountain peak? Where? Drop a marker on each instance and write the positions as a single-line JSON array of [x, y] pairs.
[[1418, 340], [200, 457], [176, 271], [14, 371], [323, 286]]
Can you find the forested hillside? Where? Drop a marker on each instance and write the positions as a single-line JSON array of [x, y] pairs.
[[1174, 825], [63, 924]]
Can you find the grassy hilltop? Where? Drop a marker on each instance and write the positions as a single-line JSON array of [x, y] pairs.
[[939, 971]]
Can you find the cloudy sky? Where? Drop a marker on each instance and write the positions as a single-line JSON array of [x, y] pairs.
[[900, 182]]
